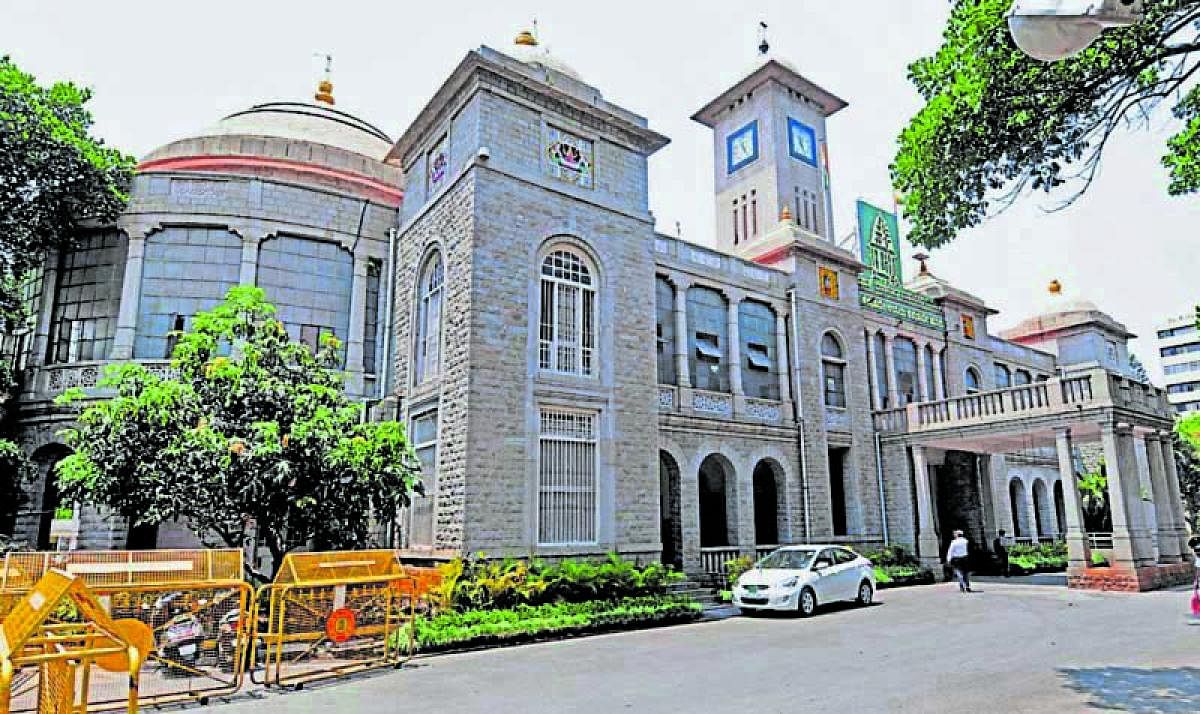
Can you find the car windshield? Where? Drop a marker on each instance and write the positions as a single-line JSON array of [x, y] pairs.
[[787, 560]]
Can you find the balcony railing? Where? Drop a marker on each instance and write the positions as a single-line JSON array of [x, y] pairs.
[[52, 380], [1092, 389], [713, 560]]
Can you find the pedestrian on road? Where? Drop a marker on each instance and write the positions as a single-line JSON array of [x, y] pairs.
[[1001, 551], [956, 556]]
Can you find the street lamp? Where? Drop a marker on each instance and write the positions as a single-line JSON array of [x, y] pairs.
[[1051, 30]]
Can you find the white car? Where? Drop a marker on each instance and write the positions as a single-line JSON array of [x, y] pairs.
[[800, 577]]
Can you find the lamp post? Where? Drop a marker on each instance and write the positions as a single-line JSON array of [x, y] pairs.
[[1051, 30]]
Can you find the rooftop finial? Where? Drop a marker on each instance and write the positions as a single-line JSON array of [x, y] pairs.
[[763, 46], [325, 86], [527, 38], [1055, 287], [921, 258]]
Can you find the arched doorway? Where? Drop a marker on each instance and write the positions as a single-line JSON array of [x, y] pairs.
[[1041, 504], [45, 460], [715, 477], [671, 516], [1019, 508], [1060, 511], [766, 504]]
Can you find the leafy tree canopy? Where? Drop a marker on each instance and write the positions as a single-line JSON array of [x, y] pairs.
[[997, 122], [254, 430], [53, 174]]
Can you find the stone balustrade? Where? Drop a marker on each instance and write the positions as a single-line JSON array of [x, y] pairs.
[[50, 381]]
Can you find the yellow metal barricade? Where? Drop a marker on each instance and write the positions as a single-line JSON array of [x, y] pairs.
[[57, 643], [194, 602], [332, 614]]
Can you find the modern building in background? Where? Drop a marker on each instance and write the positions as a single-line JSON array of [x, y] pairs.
[[1179, 351], [576, 383]]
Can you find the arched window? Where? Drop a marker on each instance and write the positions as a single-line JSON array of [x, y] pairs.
[[972, 381], [904, 352], [833, 362], [567, 329], [1003, 377], [429, 318], [1021, 376]]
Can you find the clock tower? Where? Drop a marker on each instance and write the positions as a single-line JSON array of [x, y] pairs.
[[770, 159]]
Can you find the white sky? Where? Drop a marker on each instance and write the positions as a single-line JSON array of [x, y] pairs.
[[161, 70]]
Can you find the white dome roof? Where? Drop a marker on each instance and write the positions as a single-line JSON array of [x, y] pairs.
[[540, 57], [301, 121]]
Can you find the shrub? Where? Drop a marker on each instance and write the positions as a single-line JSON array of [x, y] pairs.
[[892, 555], [735, 567], [1043, 557]]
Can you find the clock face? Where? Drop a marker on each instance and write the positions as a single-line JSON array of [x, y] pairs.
[[802, 141], [742, 146]]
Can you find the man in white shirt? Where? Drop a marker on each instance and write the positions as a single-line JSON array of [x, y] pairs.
[[956, 556]]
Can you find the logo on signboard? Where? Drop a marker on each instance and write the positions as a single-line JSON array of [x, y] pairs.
[[881, 283]]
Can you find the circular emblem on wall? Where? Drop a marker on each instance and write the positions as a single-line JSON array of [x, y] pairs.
[[340, 625]]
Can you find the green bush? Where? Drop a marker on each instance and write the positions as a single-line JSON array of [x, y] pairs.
[[526, 622], [892, 555], [736, 566], [901, 575], [1040, 558], [1099, 560], [503, 584]]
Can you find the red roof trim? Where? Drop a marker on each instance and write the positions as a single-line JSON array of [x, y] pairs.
[[373, 188]]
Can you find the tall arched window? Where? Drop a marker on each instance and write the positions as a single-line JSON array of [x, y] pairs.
[[567, 330], [833, 362], [1022, 376], [429, 318], [1003, 377], [971, 380]]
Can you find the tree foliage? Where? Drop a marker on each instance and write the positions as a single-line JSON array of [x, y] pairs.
[[255, 430], [1186, 439], [997, 122], [15, 470], [53, 174]]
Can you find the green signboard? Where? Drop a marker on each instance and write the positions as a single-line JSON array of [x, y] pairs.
[[881, 284]]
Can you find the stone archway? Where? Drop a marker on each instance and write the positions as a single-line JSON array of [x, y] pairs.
[[718, 511], [1019, 507], [670, 510], [1060, 510], [768, 486], [46, 489]]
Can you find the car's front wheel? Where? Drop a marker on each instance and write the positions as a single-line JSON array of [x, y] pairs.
[[866, 593], [806, 603]]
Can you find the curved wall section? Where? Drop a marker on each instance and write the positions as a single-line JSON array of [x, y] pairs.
[[309, 282]]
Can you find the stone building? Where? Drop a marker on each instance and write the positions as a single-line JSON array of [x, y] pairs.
[[576, 383]]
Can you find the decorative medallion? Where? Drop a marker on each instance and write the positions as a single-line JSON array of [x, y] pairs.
[[829, 282], [571, 157], [968, 327], [439, 163], [802, 141], [741, 147]]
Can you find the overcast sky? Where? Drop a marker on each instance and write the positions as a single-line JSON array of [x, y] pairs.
[[161, 70]]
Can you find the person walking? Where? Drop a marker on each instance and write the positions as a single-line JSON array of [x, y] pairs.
[[956, 556], [1001, 551]]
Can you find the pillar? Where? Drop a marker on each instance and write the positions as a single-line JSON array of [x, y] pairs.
[[1031, 507], [922, 381], [358, 323], [928, 545], [1164, 514], [1129, 547], [735, 347], [1079, 555], [939, 388], [249, 270], [681, 335], [873, 358], [131, 293], [785, 363], [1171, 474], [893, 388]]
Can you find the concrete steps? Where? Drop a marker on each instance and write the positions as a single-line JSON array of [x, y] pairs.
[[705, 595]]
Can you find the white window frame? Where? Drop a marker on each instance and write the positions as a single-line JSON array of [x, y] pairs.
[[429, 481], [586, 440], [567, 327], [838, 360], [430, 308]]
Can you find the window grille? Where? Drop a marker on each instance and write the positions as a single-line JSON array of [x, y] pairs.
[[371, 318], [567, 478], [567, 330], [429, 319]]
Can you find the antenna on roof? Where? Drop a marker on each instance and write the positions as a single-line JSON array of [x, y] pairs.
[[763, 46], [325, 86]]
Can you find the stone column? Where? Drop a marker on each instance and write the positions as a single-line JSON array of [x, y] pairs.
[[681, 335], [131, 293], [358, 304], [249, 270], [1079, 555], [735, 346], [1031, 507], [922, 381], [785, 363], [1128, 548], [1170, 472], [873, 358], [939, 390], [1164, 514], [893, 387], [928, 545], [39, 351], [744, 512]]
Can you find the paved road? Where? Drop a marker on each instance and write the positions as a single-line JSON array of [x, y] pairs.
[[1009, 648]]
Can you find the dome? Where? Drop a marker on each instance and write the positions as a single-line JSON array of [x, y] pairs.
[[1061, 302], [527, 49]]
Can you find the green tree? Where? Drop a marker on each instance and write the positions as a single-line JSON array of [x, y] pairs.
[[53, 174], [1187, 466], [997, 122], [255, 431], [15, 470], [1093, 494]]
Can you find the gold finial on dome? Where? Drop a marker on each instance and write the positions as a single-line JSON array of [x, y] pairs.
[[1055, 287], [325, 86], [525, 38], [786, 214]]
